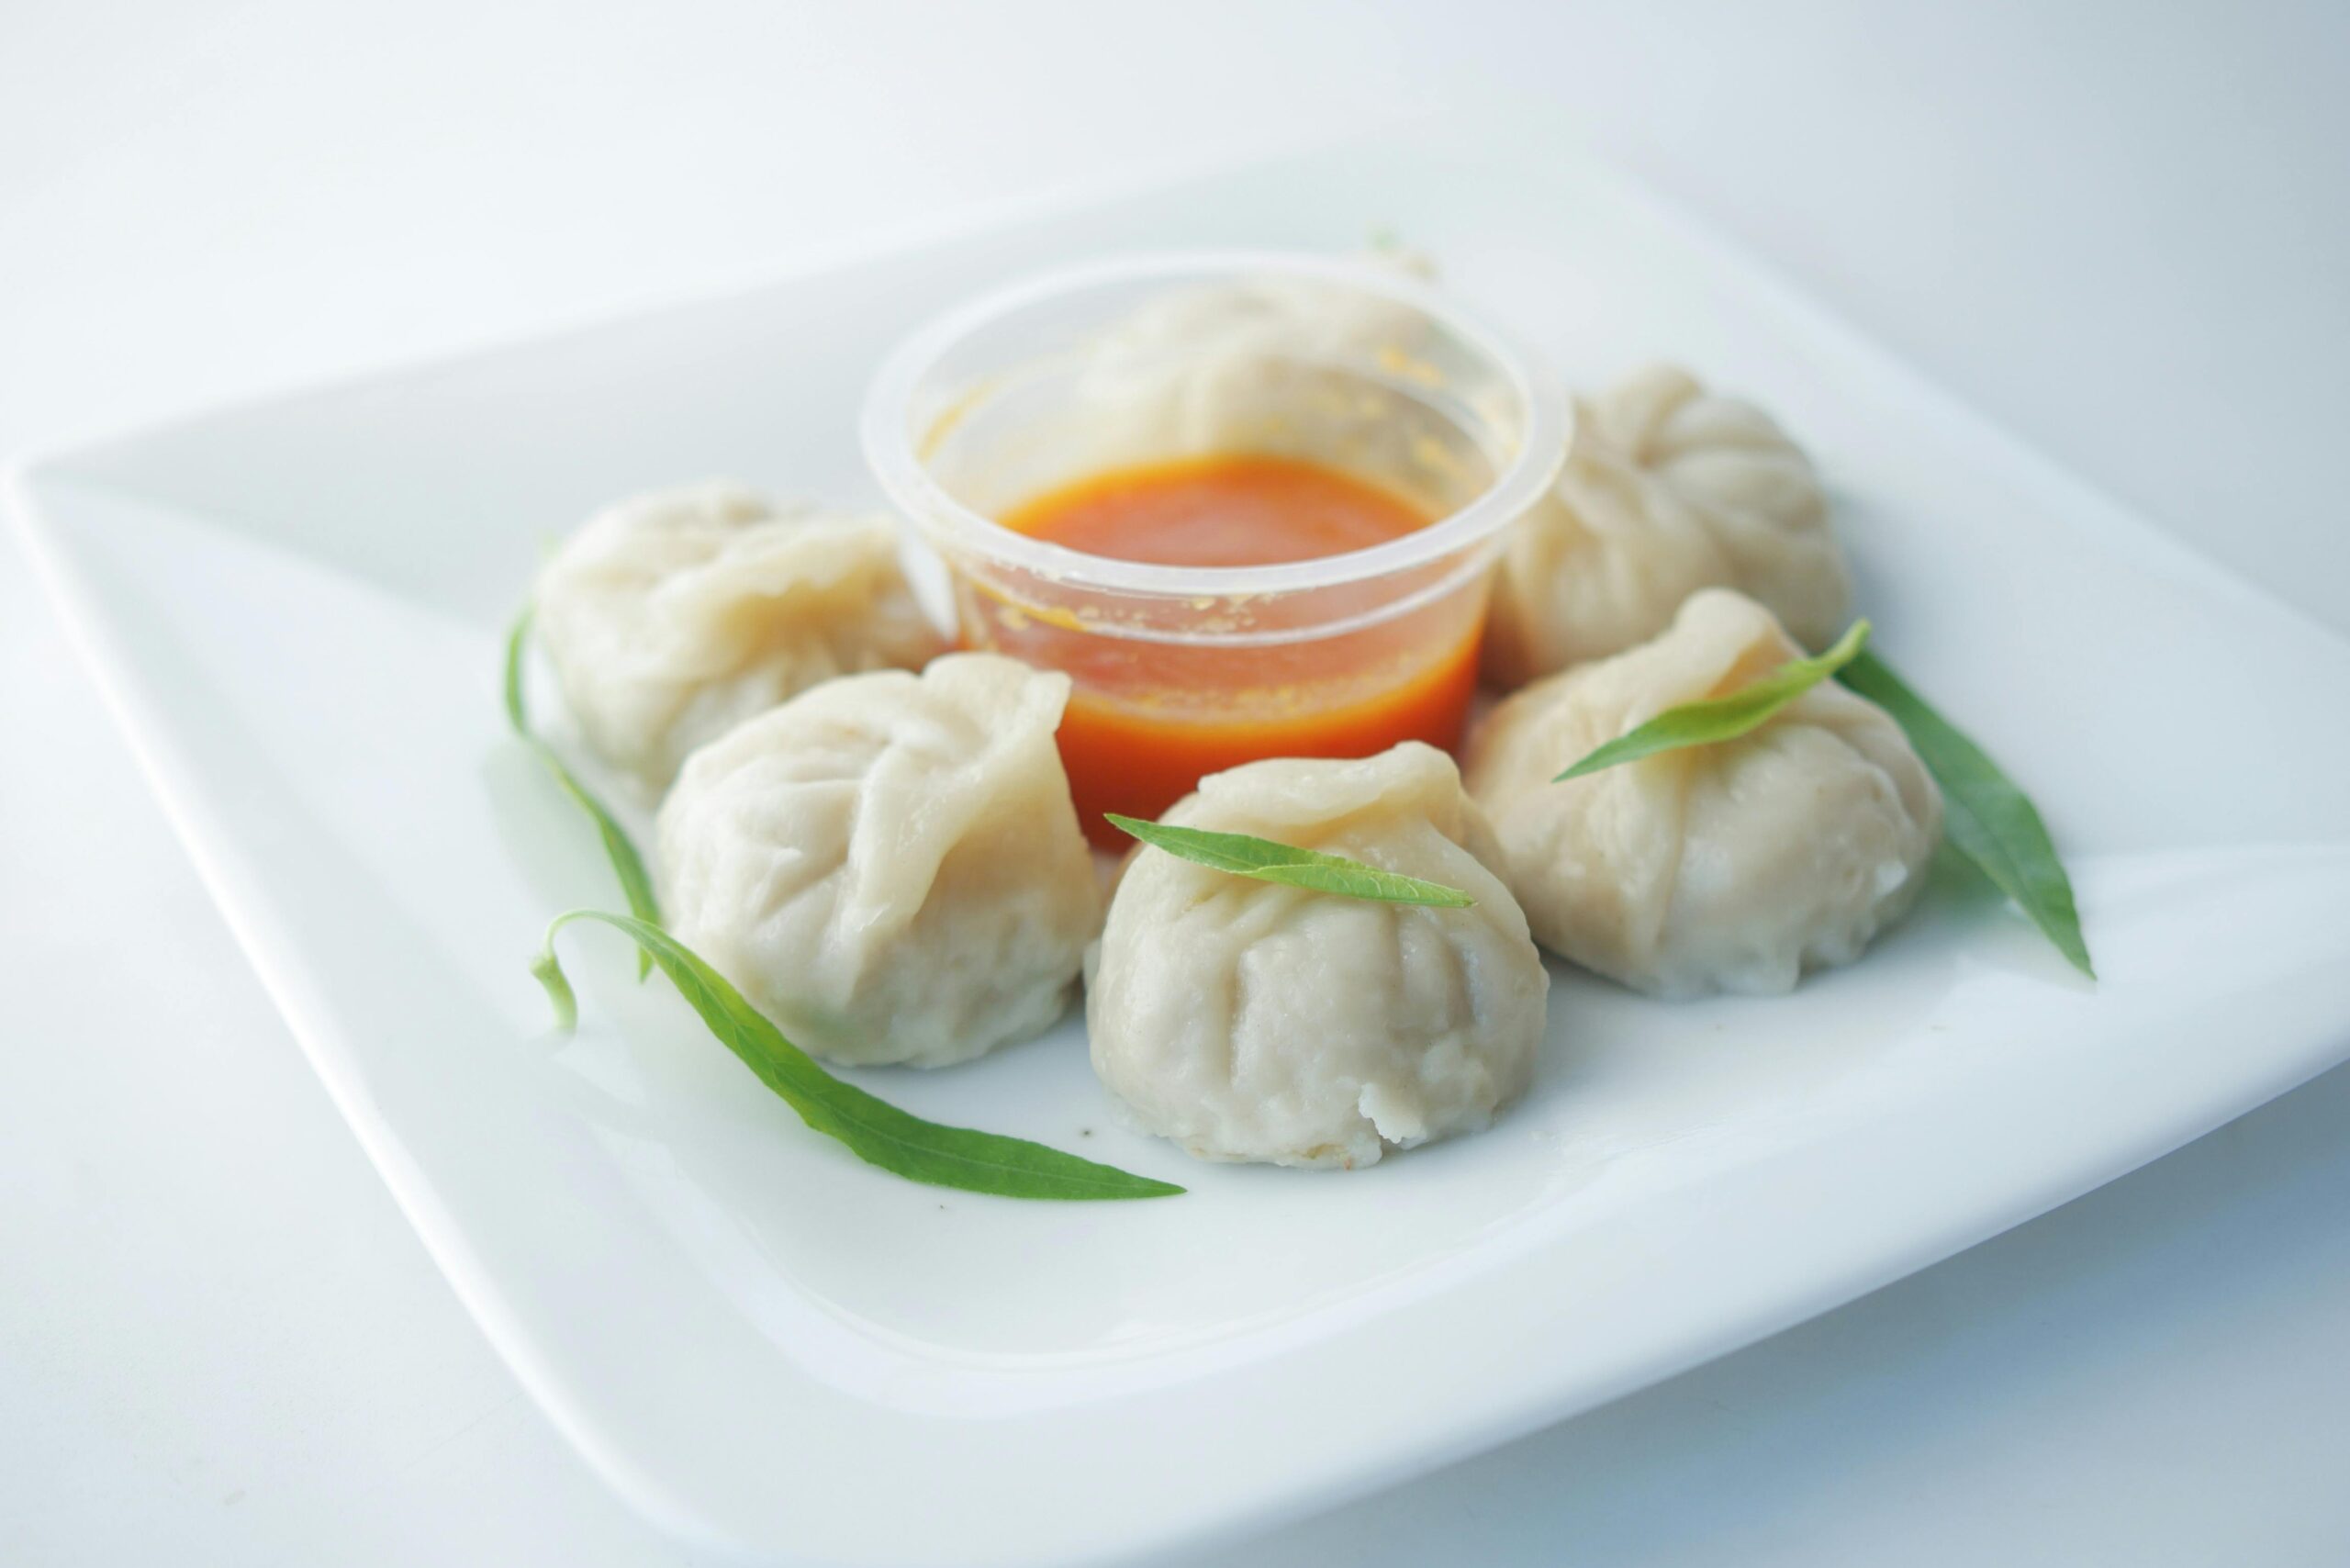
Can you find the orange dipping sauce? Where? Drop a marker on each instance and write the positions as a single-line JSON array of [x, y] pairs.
[[1148, 720], [1219, 511]]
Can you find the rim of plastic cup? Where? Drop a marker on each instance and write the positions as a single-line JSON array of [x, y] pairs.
[[889, 449]]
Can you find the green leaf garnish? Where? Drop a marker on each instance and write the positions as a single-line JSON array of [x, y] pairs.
[[874, 1130], [627, 864], [518, 637], [1245, 855], [1989, 820], [1724, 718]]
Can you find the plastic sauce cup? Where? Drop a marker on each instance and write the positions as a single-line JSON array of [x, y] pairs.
[[1182, 671]]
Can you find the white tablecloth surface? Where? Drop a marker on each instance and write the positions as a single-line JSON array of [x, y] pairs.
[[2123, 230]]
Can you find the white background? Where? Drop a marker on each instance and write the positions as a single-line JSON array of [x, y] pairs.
[[2123, 230]]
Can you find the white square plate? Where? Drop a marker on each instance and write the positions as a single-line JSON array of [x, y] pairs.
[[765, 1344]]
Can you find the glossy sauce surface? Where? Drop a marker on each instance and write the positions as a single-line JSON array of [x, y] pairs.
[[1219, 511], [1148, 720]]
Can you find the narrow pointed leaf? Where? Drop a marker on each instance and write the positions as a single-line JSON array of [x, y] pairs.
[[1244, 854], [874, 1130], [1986, 817], [518, 640], [636, 885], [1724, 718]]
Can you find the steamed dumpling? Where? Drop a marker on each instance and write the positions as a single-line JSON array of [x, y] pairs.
[[1734, 866], [1277, 313], [1250, 365], [1668, 489], [1250, 1021], [889, 865], [671, 617]]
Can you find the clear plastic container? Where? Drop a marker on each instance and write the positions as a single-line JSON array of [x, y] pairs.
[[1180, 671]]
